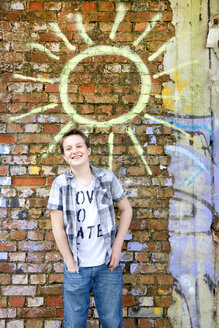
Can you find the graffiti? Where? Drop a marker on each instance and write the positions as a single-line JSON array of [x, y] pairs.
[[100, 50], [193, 210]]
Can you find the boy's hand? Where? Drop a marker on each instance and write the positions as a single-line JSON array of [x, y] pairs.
[[71, 266], [115, 257]]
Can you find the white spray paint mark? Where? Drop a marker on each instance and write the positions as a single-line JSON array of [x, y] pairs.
[[160, 50], [110, 144], [35, 45], [99, 51], [148, 29], [121, 11], [138, 148], [81, 30], [166, 123], [55, 28], [174, 69], [58, 137], [34, 111], [36, 79]]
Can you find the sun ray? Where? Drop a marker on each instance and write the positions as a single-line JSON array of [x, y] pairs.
[[35, 45], [55, 28], [154, 21], [81, 30], [165, 96], [150, 117], [121, 11], [175, 69], [110, 143], [160, 50], [36, 79], [58, 137], [138, 148], [34, 111]]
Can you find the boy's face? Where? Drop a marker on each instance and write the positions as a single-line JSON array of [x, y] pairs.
[[76, 152]]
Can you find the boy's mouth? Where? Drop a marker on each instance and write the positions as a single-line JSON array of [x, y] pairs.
[[76, 156]]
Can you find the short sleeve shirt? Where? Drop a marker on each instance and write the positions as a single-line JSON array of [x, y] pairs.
[[107, 189]]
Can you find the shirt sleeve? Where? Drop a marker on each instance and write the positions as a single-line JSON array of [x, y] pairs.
[[55, 197], [118, 192]]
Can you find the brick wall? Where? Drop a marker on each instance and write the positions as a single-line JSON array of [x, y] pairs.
[[101, 89]]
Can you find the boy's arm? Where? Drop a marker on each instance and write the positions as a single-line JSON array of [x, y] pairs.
[[125, 219], [61, 239]]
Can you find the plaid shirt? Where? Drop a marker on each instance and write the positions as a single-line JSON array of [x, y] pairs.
[[107, 189]]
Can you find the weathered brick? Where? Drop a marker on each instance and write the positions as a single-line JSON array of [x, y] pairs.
[[3, 302], [17, 235], [36, 313], [7, 313], [19, 290], [145, 323], [5, 279]]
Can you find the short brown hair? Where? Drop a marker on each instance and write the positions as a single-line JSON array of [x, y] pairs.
[[72, 133]]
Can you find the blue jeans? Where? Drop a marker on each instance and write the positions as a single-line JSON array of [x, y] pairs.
[[107, 290]]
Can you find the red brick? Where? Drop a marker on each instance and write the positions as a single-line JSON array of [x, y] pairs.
[[60, 313], [88, 6], [32, 98], [28, 181], [52, 88], [128, 323], [144, 323], [12, 16], [51, 128], [17, 301], [87, 88], [54, 301], [3, 170], [35, 5], [128, 301], [8, 139], [106, 6]]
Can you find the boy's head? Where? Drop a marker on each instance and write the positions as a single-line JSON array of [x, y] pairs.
[[73, 132]]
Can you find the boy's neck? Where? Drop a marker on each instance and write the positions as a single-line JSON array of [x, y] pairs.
[[83, 174]]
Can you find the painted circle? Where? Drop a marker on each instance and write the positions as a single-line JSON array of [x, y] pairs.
[[100, 51]]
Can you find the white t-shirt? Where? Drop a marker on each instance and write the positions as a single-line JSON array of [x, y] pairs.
[[90, 241]]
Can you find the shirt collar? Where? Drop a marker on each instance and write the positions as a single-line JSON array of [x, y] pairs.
[[97, 173]]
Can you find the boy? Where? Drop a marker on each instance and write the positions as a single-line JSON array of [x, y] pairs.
[[83, 223]]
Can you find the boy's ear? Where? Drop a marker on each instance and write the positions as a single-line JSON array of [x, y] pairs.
[[89, 150]]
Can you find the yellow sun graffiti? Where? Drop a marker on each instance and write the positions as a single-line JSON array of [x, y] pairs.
[[100, 50]]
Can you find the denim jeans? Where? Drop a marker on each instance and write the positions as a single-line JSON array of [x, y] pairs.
[[107, 290]]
